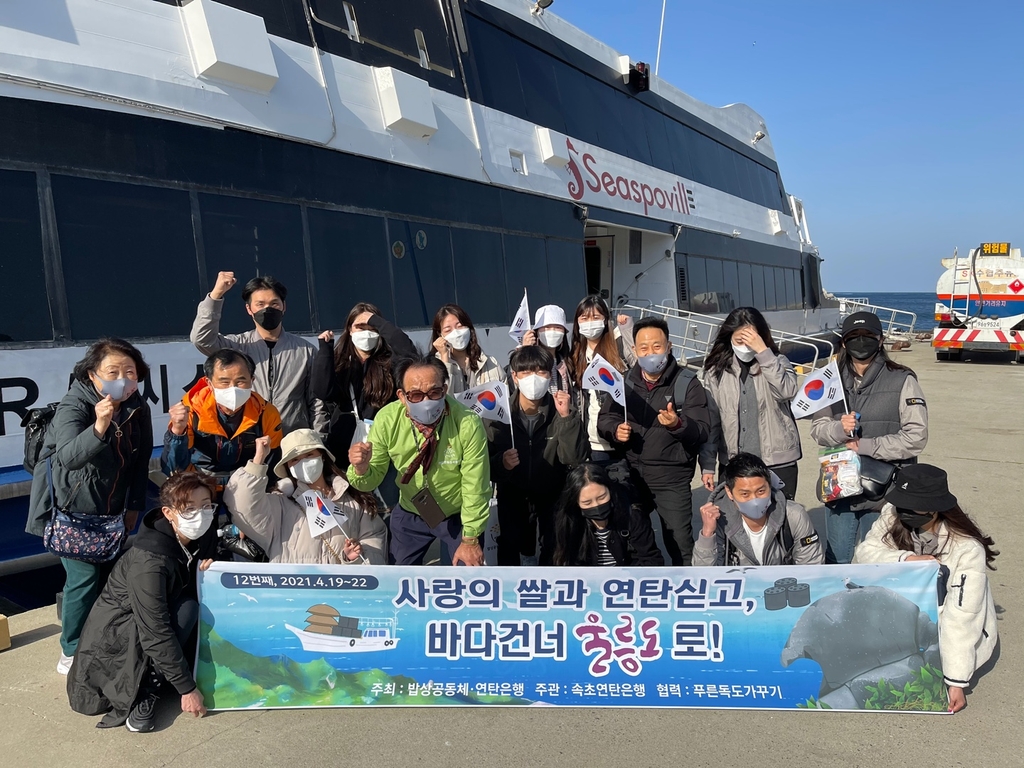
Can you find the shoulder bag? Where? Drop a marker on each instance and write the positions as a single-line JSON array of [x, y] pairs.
[[77, 536]]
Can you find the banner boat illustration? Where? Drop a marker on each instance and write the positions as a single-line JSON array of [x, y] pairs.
[[327, 631]]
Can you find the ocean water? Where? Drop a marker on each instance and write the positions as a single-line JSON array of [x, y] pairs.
[[922, 304]]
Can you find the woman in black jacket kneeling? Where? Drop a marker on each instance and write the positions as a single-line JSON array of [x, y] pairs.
[[595, 524], [137, 633]]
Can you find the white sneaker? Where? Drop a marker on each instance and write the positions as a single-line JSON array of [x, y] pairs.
[[64, 665]]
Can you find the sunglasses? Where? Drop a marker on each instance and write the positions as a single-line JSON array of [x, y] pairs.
[[190, 513], [417, 397]]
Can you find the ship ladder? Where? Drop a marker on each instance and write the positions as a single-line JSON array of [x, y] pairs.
[[963, 280]]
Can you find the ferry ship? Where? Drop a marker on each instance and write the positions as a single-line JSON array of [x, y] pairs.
[[408, 153]]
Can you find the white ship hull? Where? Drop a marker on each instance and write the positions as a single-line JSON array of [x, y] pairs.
[[316, 643]]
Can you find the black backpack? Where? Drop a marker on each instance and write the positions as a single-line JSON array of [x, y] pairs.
[[35, 423]]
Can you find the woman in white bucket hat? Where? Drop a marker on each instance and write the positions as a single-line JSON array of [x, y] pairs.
[[549, 331], [277, 520]]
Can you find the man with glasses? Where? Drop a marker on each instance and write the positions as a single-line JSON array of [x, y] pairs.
[[439, 449]]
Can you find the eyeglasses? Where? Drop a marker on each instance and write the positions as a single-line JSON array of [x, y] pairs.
[[190, 513], [417, 397]]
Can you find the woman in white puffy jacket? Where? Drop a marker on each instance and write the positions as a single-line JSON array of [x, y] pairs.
[[277, 520], [922, 521]]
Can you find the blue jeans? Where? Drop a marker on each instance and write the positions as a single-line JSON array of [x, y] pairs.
[[846, 529]]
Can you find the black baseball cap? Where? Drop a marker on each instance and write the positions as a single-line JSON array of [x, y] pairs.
[[862, 321], [922, 488]]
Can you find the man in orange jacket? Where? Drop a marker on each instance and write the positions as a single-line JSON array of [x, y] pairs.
[[215, 427]]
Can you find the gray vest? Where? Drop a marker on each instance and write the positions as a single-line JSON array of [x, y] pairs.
[[877, 399]]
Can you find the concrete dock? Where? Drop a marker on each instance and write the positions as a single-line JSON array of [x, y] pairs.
[[976, 413]]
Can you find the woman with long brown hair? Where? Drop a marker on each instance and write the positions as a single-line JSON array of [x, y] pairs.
[[595, 332], [354, 376], [457, 346], [923, 521]]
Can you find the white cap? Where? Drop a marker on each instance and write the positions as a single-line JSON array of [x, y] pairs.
[[551, 314]]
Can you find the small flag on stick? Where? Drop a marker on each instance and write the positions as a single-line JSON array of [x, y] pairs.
[[818, 391], [521, 322]]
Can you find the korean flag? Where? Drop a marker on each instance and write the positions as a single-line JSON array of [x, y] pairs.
[[818, 391], [321, 514], [601, 375], [488, 401], [521, 322]]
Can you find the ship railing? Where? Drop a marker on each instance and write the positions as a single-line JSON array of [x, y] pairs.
[[895, 322], [693, 334]]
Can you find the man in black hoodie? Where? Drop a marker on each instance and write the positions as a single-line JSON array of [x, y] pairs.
[[666, 423], [137, 634], [549, 440]]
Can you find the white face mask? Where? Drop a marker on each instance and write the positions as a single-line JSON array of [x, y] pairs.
[[743, 352], [534, 386], [551, 339], [459, 338], [117, 389], [365, 341], [198, 525], [307, 470], [232, 398], [592, 329]]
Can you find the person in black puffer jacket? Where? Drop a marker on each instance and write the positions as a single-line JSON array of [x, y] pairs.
[[140, 630], [99, 445]]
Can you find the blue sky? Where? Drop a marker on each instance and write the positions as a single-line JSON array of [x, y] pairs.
[[900, 123]]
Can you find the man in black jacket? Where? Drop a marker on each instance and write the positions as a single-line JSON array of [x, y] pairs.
[[137, 633], [549, 439], [666, 423]]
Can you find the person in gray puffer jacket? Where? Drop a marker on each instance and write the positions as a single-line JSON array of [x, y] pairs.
[[750, 387], [749, 521]]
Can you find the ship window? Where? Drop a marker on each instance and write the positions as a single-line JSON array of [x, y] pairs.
[[350, 264], [424, 279], [684, 148], [768, 280], [526, 267], [582, 115], [746, 291], [254, 238], [795, 286], [494, 61], [480, 275], [781, 289], [730, 286], [129, 258], [757, 283], [25, 315], [537, 76], [566, 274]]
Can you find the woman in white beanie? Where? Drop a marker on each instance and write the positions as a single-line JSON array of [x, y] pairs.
[[277, 520]]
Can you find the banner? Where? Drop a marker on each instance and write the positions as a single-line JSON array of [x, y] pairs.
[[831, 637]]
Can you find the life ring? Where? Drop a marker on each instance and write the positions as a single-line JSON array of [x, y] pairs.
[[352, 642]]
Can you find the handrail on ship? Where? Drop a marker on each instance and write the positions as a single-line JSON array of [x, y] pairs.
[[898, 321], [698, 333]]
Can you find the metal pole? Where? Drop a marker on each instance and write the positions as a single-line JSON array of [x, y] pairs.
[[661, 31]]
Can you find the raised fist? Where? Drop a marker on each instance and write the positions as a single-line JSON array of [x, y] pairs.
[[179, 418], [104, 414], [224, 282], [359, 456], [562, 403], [709, 514]]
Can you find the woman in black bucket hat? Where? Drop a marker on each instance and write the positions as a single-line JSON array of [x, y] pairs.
[[922, 520]]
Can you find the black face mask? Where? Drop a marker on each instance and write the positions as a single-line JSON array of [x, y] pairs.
[[268, 319], [862, 347], [912, 519], [600, 512]]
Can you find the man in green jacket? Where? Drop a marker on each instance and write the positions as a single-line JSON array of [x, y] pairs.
[[439, 448]]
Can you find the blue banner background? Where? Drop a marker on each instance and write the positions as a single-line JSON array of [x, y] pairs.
[[248, 658]]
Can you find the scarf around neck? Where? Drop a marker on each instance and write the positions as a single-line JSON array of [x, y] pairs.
[[425, 455]]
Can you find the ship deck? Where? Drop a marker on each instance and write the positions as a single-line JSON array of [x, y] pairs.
[[976, 433]]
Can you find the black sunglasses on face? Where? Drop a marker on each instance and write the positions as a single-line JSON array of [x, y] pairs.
[[416, 396]]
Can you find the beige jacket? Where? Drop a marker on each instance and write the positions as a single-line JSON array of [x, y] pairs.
[[967, 618], [277, 522]]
